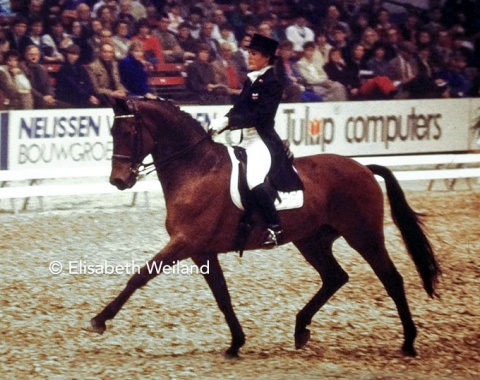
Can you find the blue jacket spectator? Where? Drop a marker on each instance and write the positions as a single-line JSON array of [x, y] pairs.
[[133, 74]]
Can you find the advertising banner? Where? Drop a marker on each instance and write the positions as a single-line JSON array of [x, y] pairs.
[[365, 128], [81, 137], [59, 138]]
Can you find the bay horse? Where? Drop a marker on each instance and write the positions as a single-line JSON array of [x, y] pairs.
[[342, 198]]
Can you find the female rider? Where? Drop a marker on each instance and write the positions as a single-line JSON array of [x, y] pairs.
[[254, 113]]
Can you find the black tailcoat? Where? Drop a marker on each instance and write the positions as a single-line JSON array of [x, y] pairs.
[[256, 107]]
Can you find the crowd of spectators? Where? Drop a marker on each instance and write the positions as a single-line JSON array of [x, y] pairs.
[[328, 51]]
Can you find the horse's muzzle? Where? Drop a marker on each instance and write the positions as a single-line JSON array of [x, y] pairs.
[[119, 183]]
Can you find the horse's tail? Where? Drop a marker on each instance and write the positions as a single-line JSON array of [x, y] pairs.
[[411, 228]]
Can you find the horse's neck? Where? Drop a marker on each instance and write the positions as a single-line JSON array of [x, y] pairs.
[[182, 148]]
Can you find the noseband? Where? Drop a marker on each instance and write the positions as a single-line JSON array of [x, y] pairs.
[[136, 165]]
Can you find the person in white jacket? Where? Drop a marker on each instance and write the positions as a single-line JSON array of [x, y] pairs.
[[299, 33], [312, 71]]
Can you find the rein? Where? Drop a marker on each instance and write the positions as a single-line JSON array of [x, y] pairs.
[[142, 168]]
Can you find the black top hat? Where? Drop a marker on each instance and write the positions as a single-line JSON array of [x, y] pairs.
[[263, 44]]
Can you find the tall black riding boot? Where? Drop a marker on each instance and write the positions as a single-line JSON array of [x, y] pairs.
[[264, 203]]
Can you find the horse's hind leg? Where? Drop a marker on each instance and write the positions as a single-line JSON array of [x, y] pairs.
[[317, 250], [216, 281], [372, 248]]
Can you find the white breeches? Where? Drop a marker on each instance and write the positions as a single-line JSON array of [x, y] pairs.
[[259, 160]]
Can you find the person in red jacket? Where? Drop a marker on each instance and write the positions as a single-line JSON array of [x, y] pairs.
[[151, 44]]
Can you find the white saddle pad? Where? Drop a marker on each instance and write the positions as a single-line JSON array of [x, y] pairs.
[[288, 201]]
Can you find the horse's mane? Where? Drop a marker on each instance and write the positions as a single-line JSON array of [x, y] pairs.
[[180, 117]]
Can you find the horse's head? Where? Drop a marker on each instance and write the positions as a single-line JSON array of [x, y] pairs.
[[132, 142]]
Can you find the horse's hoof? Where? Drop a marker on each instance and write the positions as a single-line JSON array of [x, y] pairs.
[[95, 327], [302, 338], [409, 351], [232, 353]]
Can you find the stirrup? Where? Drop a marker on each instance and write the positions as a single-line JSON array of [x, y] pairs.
[[272, 238]]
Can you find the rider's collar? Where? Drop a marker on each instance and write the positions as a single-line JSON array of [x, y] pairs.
[[253, 75]]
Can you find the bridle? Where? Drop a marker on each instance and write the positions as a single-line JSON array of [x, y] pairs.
[[137, 166]]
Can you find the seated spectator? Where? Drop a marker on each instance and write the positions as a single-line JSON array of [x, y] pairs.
[[338, 71], [358, 25], [370, 41], [392, 42], [461, 45], [290, 78], [226, 72], [74, 86], [172, 51], [277, 31], [298, 33], [443, 47], [105, 76], [95, 35], [195, 20], [206, 38], [42, 91], [378, 64], [382, 23], [332, 21], [112, 4], [240, 57], [139, 11], [340, 41], [14, 83], [201, 79], [121, 40], [133, 71], [265, 29], [84, 15], [363, 84], [410, 28], [35, 32], [458, 82], [404, 68], [125, 15], [434, 25], [322, 48], [54, 42], [240, 17], [227, 35], [425, 39], [17, 36], [316, 78], [78, 34], [186, 41], [208, 8], [104, 14], [175, 17], [152, 45]]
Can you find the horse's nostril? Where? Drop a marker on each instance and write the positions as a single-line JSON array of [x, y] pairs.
[[118, 183]]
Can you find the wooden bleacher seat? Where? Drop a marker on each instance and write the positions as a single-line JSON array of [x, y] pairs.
[[168, 81]]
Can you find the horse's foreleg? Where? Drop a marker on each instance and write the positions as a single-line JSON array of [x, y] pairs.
[[317, 250], [216, 282], [173, 252]]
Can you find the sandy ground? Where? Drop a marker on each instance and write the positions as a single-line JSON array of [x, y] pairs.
[[172, 328]]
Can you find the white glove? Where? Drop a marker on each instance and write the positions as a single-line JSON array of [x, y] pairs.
[[218, 124]]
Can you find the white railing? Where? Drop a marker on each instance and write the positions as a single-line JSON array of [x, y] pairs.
[[26, 184]]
